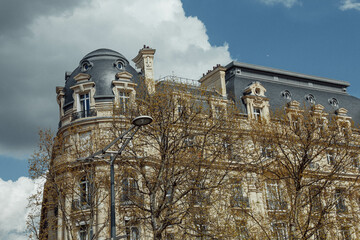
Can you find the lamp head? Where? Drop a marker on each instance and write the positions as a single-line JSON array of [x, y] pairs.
[[142, 121]]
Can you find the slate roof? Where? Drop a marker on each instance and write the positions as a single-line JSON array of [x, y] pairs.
[[102, 72], [240, 75]]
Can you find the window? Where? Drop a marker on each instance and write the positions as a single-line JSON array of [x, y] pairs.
[[85, 192], [189, 141], [320, 234], [286, 94], [345, 233], [170, 236], [334, 102], [202, 230], [355, 162], [84, 105], [132, 232], [257, 113], [279, 230], [238, 198], [200, 195], [267, 152], [340, 201], [218, 112], [129, 191], [274, 197], [85, 233], [330, 158], [169, 195], [243, 232], [119, 64], [182, 113], [123, 101], [314, 165], [85, 66], [310, 98], [315, 200], [228, 148], [295, 124]]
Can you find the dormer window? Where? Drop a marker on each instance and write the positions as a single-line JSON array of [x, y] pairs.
[[257, 104], [334, 102], [84, 104], [286, 94], [119, 64], [85, 66], [123, 101], [257, 113], [310, 98]]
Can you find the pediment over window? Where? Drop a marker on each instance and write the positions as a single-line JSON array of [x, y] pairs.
[[82, 77], [341, 112], [255, 89], [318, 108], [123, 76], [294, 104]]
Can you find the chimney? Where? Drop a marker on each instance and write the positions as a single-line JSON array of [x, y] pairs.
[[215, 79], [145, 61]]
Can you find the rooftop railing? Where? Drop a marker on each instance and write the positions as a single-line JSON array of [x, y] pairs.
[[181, 80]]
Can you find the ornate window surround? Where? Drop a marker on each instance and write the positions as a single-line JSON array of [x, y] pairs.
[[254, 98], [123, 84], [83, 86]]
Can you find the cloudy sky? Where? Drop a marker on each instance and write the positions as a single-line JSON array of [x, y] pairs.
[[41, 39]]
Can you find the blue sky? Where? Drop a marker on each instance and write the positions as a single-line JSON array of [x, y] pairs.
[[41, 39], [310, 37]]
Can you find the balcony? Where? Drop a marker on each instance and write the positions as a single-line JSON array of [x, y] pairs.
[[240, 202], [78, 205], [180, 80], [276, 205], [84, 114]]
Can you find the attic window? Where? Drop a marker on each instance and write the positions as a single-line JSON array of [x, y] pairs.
[[119, 64], [310, 98], [257, 91], [85, 66], [334, 102], [286, 94]]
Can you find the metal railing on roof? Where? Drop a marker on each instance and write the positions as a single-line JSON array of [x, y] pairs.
[[181, 80]]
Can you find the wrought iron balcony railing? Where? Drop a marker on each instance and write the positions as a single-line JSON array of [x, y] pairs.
[[78, 205], [84, 114]]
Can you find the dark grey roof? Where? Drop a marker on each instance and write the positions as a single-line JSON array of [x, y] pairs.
[[241, 75], [102, 72]]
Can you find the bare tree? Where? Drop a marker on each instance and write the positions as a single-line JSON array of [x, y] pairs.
[[306, 159], [178, 162]]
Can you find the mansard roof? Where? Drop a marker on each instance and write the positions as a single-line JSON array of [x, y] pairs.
[[284, 86], [102, 65]]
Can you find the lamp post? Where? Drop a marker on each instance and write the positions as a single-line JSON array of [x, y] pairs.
[[137, 123]]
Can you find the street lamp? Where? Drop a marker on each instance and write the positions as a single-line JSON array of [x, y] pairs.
[[137, 123]]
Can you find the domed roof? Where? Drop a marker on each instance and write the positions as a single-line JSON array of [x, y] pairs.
[[103, 52], [102, 65]]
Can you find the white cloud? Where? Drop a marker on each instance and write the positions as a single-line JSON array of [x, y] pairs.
[[350, 4], [34, 62], [286, 3], [13, 202]]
